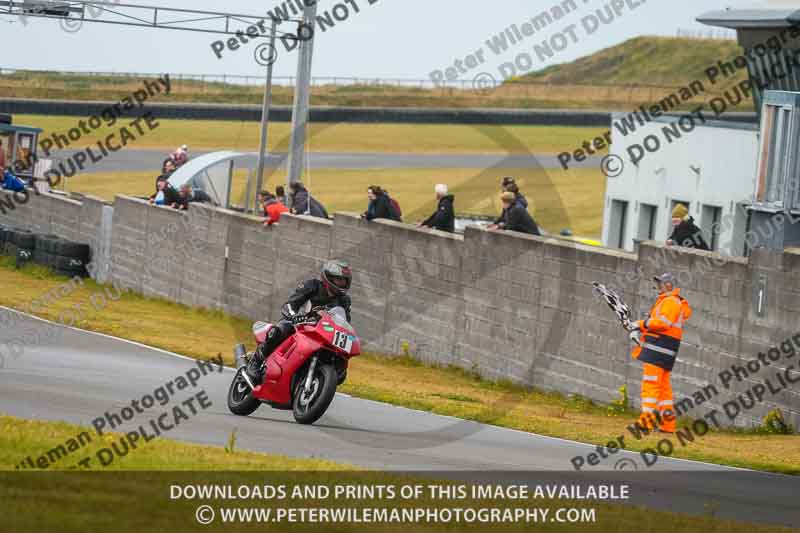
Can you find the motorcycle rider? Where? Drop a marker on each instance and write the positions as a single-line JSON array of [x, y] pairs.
[[331, 288]]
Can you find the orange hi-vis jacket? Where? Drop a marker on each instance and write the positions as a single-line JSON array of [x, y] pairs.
[[662, 331]]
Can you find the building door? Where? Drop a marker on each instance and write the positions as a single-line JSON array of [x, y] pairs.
[[616, 230], [709, 223], [647, 222]]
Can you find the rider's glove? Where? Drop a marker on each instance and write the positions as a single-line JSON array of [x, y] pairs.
[[635, 336], [287, 312]]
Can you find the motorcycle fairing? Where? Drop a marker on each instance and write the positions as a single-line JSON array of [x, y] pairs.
[[281, 366]]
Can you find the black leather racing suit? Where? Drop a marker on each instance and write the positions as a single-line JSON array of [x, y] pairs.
[[313, 290]]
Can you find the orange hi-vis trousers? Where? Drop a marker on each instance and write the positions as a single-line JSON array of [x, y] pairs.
[[657, 406]]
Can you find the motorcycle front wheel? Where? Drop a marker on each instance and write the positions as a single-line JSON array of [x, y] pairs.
[[308, 407], [240, 398]]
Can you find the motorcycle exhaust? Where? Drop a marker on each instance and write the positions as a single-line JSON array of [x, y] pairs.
[[240, 355]]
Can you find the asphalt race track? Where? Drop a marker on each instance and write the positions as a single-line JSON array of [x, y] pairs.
[[132, 160], [81, 375]]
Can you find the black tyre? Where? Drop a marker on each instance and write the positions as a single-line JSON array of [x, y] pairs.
[[307, 409], [45, 242], [23, 239], [240, 397], [24, 256], [40, 257], [5, 231], [68, 263], [71, 249]]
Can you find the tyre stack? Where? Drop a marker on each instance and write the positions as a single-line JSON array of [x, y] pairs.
[[5, 231], [60, 255], [64, 257], [20, 244]]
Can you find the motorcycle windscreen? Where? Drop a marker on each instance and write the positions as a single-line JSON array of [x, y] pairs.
[[339, 316]]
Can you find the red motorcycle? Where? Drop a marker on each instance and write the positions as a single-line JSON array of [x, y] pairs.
[[302, 373]]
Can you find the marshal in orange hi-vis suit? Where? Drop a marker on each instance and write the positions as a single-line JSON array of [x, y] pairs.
[[658, 339]]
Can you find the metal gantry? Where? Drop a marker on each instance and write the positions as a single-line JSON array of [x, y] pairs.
[[79, 11], [137, 15]]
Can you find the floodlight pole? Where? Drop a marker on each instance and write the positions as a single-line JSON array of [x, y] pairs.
[[301, 98], [262, 151]]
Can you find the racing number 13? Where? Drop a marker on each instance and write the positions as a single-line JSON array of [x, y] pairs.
[[342, 340]]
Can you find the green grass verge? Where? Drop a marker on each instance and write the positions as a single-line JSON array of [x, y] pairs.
[[136, 493], [333, 137], [20, 438], [558, 199]]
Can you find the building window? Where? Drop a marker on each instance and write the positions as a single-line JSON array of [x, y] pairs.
[[616, 231], [709, 223], [647, 222], [777, 179]]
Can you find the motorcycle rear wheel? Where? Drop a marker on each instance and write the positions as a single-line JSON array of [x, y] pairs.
[[240, 398], [308, 409]]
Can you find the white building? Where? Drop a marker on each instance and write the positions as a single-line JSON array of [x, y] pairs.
[[711, 169], [740, 181]]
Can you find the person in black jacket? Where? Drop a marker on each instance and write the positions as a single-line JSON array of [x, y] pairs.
[[684, 231], [444, 218], [302, 203], [379, 205], [187, 195], [165, 194], [519, 197], [519, 200], [330, 289], [517, 217]]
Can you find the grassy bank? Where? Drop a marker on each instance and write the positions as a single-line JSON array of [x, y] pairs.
[[19, 437], [334, 137], [401, 381], [135, 493], [559, 199], [623, 76]]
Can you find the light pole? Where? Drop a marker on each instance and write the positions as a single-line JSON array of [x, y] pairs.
[[301, 95], [262, 151]]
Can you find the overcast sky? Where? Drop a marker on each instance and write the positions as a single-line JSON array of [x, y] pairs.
[[391, 38]]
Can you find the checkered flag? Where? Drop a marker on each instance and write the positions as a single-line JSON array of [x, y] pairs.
[[616, 304]]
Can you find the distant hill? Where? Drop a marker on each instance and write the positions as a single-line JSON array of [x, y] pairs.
[[663, 61]]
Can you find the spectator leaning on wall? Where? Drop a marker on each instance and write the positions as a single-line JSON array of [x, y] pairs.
[[180, 155], [517, 217], [397, 213], [187, 196], [444, 218], [510, 184], [379, 205], [684, 231], [166, 170], [165, 194], [273, 208], [302, 203]]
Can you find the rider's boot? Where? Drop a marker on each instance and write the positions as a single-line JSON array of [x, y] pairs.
[[255, 368]]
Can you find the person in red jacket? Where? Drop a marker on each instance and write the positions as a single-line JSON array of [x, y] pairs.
[[657, 340], [273, 208]]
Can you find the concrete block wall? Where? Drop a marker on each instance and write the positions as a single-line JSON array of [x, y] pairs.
[[55, 214], [508, 306]]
